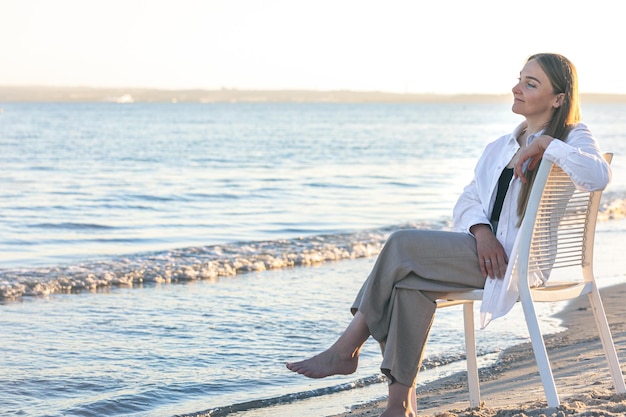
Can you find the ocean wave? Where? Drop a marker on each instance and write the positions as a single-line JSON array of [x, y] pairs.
[[287, 398], [197, 263], [71, 226], [223, 411], [612, 207], [217, 261]]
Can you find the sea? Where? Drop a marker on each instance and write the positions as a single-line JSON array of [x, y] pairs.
[[168, 259]]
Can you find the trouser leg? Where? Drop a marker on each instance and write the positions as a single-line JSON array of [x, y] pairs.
[[396, 299], [412, 315]]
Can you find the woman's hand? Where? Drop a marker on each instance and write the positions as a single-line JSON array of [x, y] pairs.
[[534, 153], [491, 255]]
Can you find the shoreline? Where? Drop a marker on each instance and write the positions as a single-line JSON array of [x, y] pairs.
[[512, 386], [129, 95]]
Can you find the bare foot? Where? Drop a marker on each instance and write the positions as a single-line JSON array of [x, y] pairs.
[[342, 358], [398, 412], [326, 364]]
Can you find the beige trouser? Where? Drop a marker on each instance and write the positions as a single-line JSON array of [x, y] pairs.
[[398, 297]]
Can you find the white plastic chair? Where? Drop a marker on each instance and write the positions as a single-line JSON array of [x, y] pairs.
[[557, 232]]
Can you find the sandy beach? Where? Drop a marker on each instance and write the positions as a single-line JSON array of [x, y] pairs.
[[512, 387]]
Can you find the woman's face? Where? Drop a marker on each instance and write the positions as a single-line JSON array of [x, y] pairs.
[[533, 95]]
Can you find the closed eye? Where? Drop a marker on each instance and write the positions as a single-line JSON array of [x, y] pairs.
[[530, 83]]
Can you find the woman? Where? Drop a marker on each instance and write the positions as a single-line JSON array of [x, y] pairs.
[[396, 304]]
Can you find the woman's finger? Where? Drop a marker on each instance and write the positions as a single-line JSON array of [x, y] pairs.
[[489, 267]]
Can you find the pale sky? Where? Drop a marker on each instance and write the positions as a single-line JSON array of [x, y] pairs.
[[416, 46]]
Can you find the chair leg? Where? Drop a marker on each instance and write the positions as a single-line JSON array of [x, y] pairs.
[[541, 355], [607, 340], [470, 353]]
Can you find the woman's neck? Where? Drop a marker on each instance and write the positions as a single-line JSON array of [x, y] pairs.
[[535, 125]]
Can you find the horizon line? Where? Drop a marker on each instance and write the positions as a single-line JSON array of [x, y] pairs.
[[47, 93]]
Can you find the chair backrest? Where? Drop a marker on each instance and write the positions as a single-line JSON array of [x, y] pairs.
[[559, 226]]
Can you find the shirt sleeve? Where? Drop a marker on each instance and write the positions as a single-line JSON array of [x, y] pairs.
[[468, 210], [579, 156]]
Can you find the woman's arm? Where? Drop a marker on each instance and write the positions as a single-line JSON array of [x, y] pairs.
[[468, 209], [470, 216], [579, 156]]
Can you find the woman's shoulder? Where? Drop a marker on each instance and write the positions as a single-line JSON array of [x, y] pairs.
[[579, 126], [579, 130], [496, 149]]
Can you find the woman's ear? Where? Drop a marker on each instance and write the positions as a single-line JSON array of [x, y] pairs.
[[558, 101]]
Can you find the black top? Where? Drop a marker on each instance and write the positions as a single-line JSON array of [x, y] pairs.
[[503, 186]]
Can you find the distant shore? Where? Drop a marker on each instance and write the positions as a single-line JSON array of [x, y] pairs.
[[144, 95]]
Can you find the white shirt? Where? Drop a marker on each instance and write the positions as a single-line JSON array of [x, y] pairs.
[[579, 156]]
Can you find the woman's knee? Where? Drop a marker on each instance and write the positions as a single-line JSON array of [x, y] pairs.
[[400, 236]]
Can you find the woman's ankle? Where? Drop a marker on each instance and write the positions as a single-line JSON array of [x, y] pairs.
[[400, 402]]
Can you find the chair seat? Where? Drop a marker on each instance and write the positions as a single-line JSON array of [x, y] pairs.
[[561, 291], [552, 291], [454, 298]]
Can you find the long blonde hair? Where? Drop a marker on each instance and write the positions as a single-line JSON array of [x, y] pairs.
[[564, 80]]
